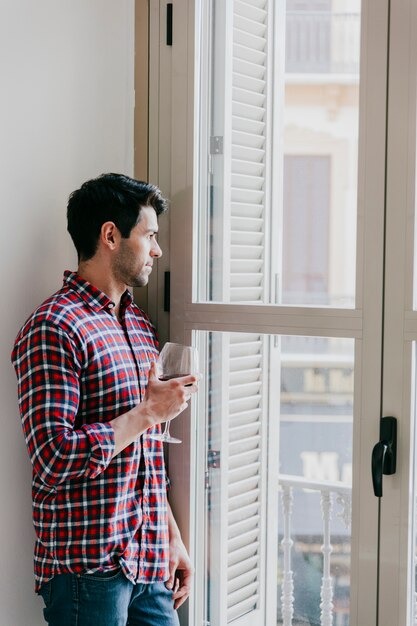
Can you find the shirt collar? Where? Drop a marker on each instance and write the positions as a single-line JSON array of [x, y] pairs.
[[96, 299]]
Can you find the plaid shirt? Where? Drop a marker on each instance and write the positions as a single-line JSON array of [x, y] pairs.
[[77, 369]]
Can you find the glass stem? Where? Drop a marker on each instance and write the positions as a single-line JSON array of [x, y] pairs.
[[166, 431]]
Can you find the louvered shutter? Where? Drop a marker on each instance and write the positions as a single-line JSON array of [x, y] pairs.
[[239, 171], [240, 361], [237, 497], [245, 480], [248, 151]]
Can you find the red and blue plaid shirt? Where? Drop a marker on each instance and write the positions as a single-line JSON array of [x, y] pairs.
[[78, 367]]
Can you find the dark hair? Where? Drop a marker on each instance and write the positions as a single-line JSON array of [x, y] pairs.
[[108, 198]]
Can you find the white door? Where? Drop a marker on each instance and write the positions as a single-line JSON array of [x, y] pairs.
[[280, 173], [397, 576]]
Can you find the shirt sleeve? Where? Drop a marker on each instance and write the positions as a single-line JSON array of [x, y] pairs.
[[48, 366]]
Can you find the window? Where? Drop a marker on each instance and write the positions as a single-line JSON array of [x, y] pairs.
[[238, 301], [305, 266], [278, 161]]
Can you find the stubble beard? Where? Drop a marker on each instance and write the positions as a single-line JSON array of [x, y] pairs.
[[140, 281], [124, 270]]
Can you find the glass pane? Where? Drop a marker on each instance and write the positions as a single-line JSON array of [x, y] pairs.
[[316, 476], [276, 447], [277, 166]]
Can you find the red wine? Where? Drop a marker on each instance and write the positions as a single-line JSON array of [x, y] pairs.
[[175, 376], [172, 376]]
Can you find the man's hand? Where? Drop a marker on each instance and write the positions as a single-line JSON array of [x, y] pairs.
[[165, 399], [180, 572]]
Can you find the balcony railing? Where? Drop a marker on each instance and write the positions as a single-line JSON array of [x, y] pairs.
[[328, 493], [322, 42]]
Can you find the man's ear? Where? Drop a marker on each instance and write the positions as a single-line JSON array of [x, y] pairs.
[[110, 235]]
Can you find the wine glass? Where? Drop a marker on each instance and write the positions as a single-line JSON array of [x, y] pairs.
[[175, 360]]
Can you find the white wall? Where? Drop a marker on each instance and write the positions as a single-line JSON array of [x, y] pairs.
[[66, 115]]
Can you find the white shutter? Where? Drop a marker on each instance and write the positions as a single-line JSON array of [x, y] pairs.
[[248, 151], [239, 184], [245, 484], [247, 391], [237, 522], [240, 362]]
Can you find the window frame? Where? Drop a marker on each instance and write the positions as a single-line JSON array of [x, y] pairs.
[[359, 323]]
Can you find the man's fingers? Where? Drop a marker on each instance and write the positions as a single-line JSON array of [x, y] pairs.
[[153, 372], [191, 388], [188, 380], [181, 594], [169, 583], [180, 597]]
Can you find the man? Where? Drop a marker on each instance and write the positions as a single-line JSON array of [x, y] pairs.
[[108, 551]]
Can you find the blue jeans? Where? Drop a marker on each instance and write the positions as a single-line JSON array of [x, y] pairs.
[[106, 599]]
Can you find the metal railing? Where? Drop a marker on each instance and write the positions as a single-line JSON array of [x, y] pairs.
[[328, 493]]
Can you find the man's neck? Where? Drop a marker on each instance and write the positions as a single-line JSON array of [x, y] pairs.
[[101, 277]]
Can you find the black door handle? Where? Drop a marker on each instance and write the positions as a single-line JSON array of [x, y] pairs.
[[384, 454]]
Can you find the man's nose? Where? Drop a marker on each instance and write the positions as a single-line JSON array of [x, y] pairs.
[[156, 250]]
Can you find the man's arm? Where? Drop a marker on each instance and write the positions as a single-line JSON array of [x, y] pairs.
[[48, 371], [163, 401], [181, 570]]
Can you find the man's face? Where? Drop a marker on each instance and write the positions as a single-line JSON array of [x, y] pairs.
[[133, 262]]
